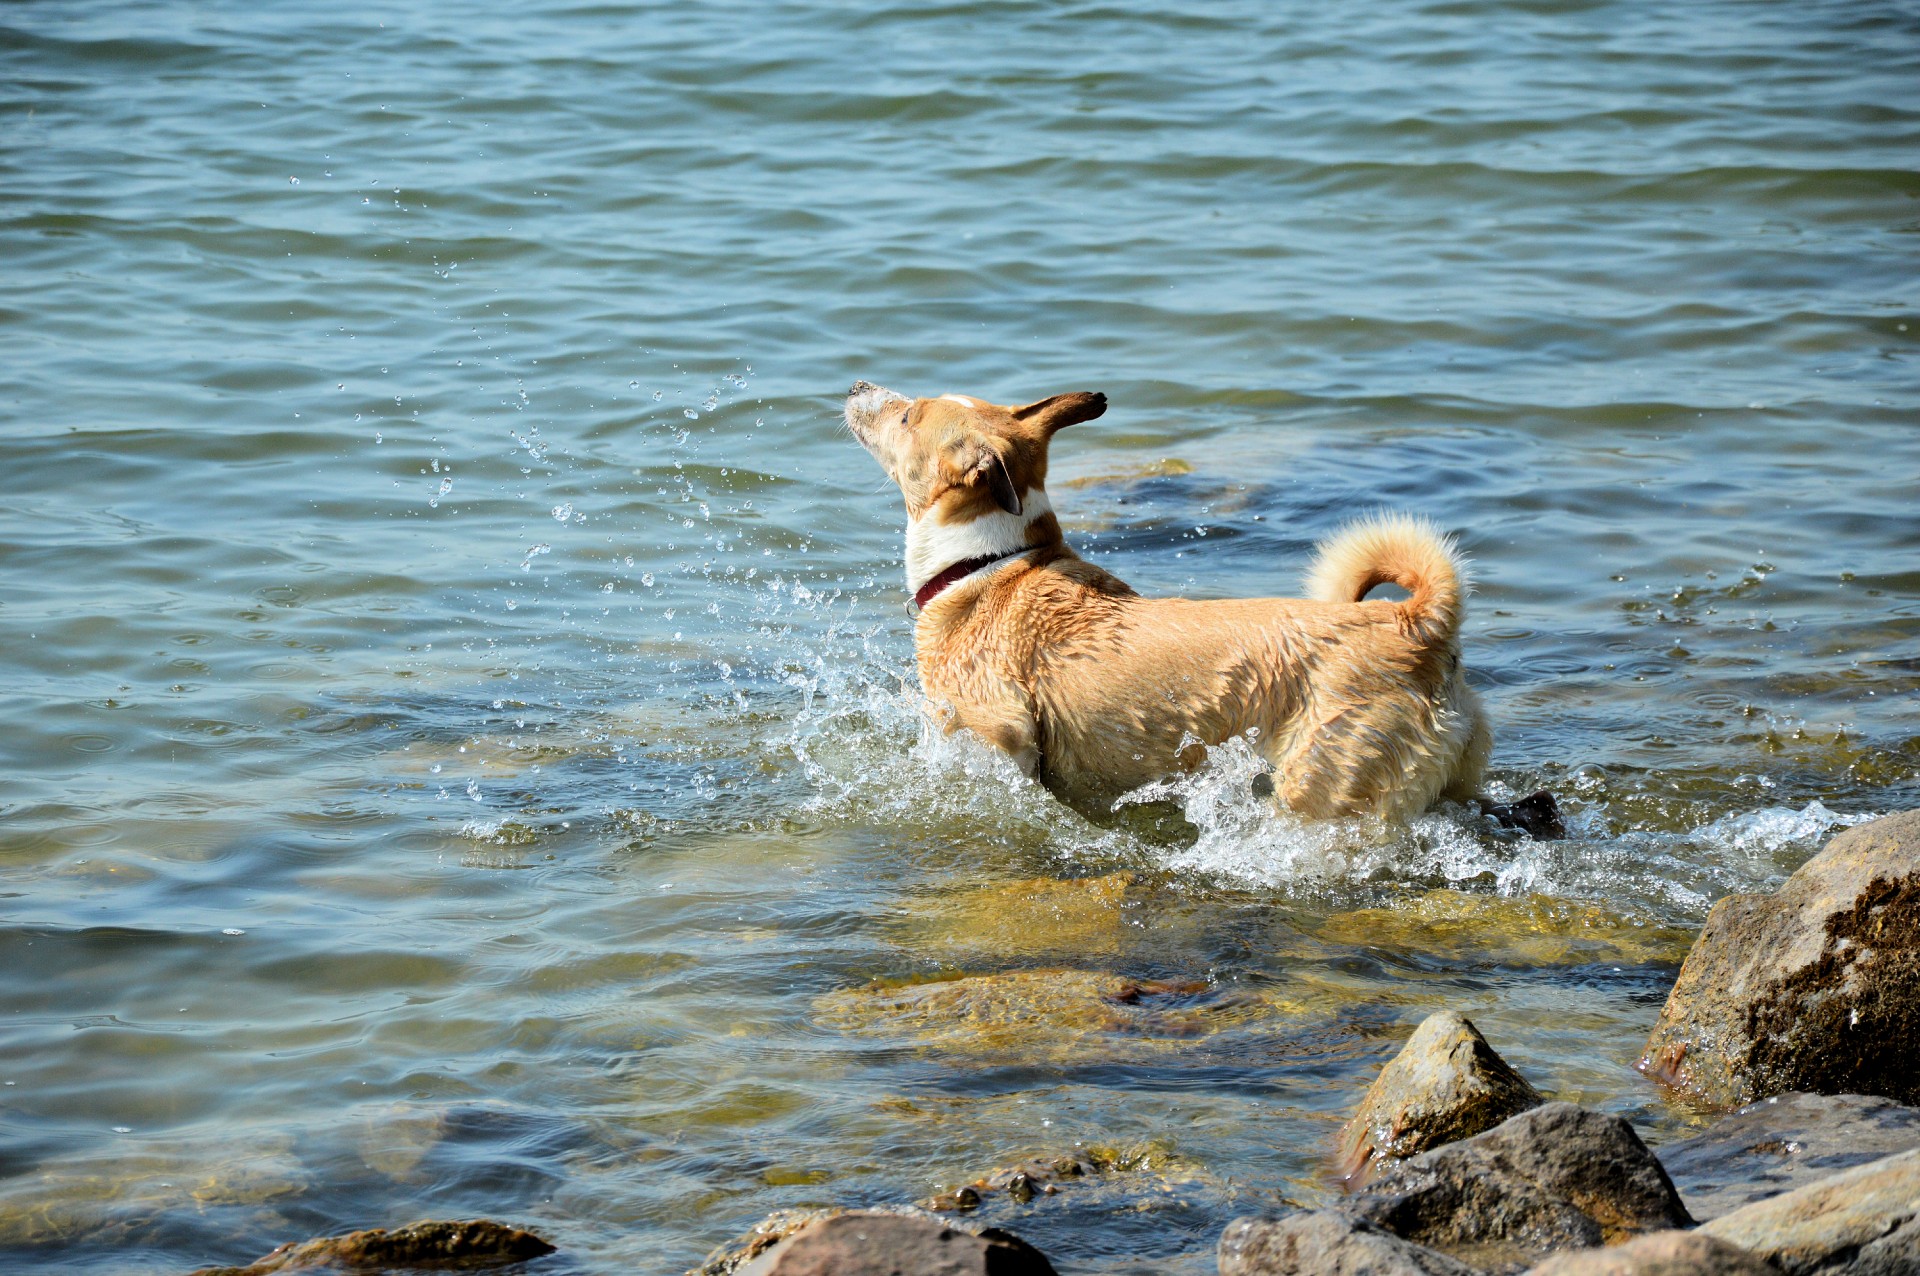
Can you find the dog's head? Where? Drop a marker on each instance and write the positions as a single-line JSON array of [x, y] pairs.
[[973, 473], [958, 457]]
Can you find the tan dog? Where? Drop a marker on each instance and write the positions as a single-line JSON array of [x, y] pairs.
[[1359, 707]]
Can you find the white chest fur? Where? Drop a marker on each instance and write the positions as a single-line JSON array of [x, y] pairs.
[[933, 546]]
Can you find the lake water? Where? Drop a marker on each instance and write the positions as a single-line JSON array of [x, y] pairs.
[[462, 750]]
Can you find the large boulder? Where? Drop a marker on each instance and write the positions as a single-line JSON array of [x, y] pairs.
[[1660, 1254], [1446, 1084], [1326, 1243], [1554, 1177], [1782, 1143], [431, 1245], [1860, 1222], [1815, 987], [878, 1243]]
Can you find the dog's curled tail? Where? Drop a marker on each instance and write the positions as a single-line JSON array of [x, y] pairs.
[[1395, 549]]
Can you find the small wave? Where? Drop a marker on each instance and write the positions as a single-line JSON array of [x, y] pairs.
[[871, 754]]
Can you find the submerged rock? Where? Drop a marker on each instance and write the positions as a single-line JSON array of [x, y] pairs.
[[1782, 1143], [1815, 987], [1446, 1084], [1081, 916], [1554, 1177], [1021, 1181], [1860, 1222], [1660, 1254], [884, 1243], [1046, 1015], [1326, 1243], [1130, 1179], [1500, 930], [428, 1245]]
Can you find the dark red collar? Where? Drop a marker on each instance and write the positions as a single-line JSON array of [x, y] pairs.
[[958, 572]]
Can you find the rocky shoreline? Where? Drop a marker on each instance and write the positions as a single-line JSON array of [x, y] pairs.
[[1796, 1014]]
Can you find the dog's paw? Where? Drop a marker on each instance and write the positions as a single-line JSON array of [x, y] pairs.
[[1538, 816]]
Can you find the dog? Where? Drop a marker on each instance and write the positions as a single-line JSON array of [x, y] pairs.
[[1358, 706]]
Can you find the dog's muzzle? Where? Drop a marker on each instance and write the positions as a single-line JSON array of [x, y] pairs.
[[865, 402]]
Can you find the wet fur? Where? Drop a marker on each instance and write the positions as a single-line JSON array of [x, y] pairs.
[[1360, 707]]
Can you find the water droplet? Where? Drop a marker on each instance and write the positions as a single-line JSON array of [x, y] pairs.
[[690, 414], [293, 181], [561, 513], [233, 930]]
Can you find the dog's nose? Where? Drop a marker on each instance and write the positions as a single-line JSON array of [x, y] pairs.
[[861, 387]]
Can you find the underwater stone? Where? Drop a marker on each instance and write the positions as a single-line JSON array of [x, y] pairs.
[[1054, 1015], [1815, 987], [1446, 1084], [1554, 1177]]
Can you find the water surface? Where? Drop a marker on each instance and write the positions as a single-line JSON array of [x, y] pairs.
[[463, 755]]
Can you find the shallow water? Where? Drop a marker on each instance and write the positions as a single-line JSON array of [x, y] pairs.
[[463, 755]]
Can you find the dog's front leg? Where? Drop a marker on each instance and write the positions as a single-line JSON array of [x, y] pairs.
[[1004, 720]]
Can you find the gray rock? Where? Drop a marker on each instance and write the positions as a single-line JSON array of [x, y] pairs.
[[1554, 1177], [730, 1257], [1660, 1254], [1860, 1222], [877, 1243], [1781, 1143], [1326, 1243], [1446, 1084], [1815, 987]]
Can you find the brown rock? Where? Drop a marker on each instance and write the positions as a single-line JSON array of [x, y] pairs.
[[1554, 1177], [1446, 1084], [1326, 1243], [1782, 1143], [1815, 987], [1861, 1222], [426, 1245], [1660, 1254], [873, 1243]]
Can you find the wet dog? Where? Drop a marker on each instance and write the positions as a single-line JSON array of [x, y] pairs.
[[1359, 706]]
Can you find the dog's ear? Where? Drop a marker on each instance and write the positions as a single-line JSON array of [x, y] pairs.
[[1062, 410], [1000, 483], [985, 466]]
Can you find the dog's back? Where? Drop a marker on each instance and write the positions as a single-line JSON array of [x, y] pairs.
[[1359, 706]]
